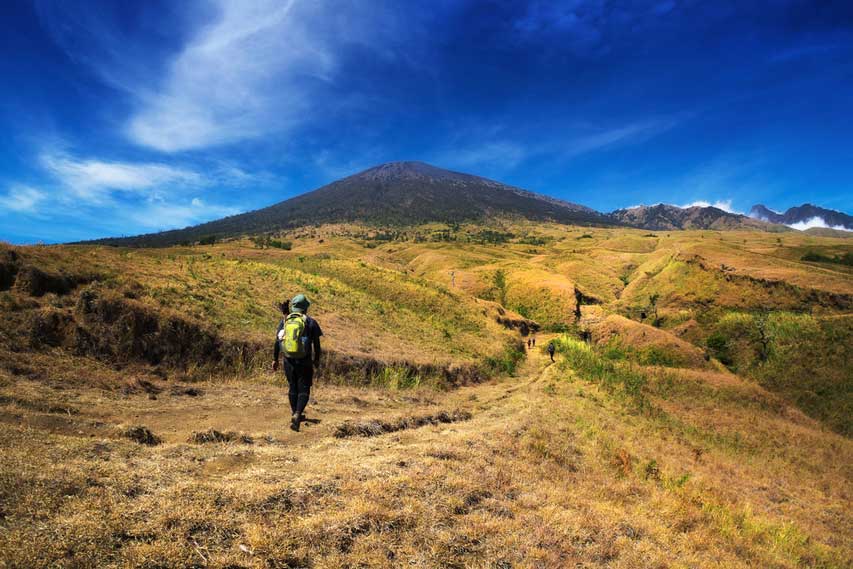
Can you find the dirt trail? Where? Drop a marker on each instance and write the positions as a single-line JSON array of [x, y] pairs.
[[533, 471], [261, 410]]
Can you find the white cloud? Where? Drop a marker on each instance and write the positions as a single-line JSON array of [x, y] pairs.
[[725, 205], [816, 222], [22, 199], [260, 68], [96, 181], [133, 196]]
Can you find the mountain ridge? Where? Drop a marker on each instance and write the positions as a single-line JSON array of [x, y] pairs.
[[395, 193], [808, 215], [663, 217], [407, 193]]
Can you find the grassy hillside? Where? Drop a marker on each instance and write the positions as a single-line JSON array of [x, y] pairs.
[[697, 415]]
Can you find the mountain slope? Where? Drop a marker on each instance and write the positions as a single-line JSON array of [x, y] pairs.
[[397, 193], [805, 214], [664, 217]]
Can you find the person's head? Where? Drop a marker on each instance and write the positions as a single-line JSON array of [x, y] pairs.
[[299, 303]]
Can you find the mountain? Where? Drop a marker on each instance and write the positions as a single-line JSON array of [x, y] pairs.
[[663, 217], [804, 216], [397, 193]]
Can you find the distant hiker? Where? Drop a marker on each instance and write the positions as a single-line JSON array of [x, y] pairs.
[[534, 341], [528, 343], [551, 349], [298, 335]]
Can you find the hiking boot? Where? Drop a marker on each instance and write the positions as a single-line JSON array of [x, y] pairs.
[[294, 422]]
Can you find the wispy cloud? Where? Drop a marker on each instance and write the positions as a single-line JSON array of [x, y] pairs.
[[496, 151], [22, 199], [262, 67], [119, 197], [605, 138], [96, 181]]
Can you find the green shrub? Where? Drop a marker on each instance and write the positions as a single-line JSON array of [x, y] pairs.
[[845, 259], [658, 356], [265, 241], [803, 358], [397, 377], [718, 345], [614, 351], [618, 377], [499, 284], [531, 240], [507, 361]]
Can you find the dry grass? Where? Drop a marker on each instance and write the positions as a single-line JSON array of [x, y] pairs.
[[676, 464], [549, 471]]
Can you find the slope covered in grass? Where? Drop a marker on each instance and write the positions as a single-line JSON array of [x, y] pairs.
[[698, 413]]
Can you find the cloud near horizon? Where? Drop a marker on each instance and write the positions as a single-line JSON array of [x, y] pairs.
[[816, 221], [147, 195], [725, 205]]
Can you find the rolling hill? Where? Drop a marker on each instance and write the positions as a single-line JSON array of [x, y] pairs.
[[697, 414]]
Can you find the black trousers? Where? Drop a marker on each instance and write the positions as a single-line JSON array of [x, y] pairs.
[[300, 376]]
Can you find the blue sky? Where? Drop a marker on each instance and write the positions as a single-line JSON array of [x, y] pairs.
[[120, 117]]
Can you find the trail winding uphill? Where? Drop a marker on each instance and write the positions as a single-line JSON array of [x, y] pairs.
[[539, 470]]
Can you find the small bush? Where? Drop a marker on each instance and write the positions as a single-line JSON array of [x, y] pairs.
[[142, 435], [214, 436], [813, 257], [507, 362], [718, 345], [657, 356], [614, 351], [620, 377], [265, 241], [397, 377]]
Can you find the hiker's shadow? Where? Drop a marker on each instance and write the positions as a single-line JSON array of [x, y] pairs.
[[312, 421]]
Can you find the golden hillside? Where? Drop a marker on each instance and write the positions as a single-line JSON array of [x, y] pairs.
[[697, 414]]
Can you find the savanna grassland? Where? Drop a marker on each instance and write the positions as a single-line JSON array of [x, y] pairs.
[[698, 413]]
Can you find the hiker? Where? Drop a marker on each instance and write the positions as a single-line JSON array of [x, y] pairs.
[[534, 341], [551, 350], [528, 343], [298, 336]]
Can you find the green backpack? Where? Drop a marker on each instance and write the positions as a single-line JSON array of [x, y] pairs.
[[295, 340]]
